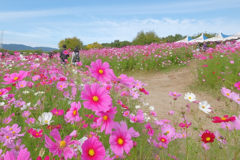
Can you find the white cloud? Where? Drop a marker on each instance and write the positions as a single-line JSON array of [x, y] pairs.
[[110, 30]]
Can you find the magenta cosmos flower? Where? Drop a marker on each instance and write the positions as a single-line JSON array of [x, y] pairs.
[[14, 77], [61, 146], [100, 70], [97, 98], [106, 120], [93, 149], [59, 112], [120, 140], [24, 154], [73, 115], [3, 91], [237, 85], [149, 128]]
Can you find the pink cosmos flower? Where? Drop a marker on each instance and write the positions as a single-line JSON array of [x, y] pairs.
[[72, 115], [57, 112], [24, 154], [169, 130], [149, 128], [97, 98], [126, 113], [21, 84], [93, 149], [15, 148], [124, 93], [61, 85], [218, 137], [60, 146], [100, 71], [36, 78], [26, 113], [231, 62], [120, 140], [160, 145], [108, 87], [7, 120], [30, 120], [134, 94], [14, 77], [184, 125], [124, 79], [106, 120], [153, 113], [226, 92], [235, 97], [94, 125], [46, 158], [236, 122], [3, 91], [205, 146], [74, 133], [174, 94], [138, 84], [162, 138], [237, 85], [37, 134], [227, 126], [29, 84], [171, 113], [66, 94]]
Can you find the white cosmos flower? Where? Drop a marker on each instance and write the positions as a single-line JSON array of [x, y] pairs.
[[25, 92], [151, 108], [2, 104], [190, 96], [45, 118], [146, 119], [25, 106], [137, 107], [82, 140], [204, 106]]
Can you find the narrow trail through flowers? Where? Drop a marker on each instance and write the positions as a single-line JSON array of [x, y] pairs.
[[160, 84]]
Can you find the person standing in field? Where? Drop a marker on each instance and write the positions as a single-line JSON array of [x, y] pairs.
[[204, 46], [51, 54], [75, 57], [64, 55]]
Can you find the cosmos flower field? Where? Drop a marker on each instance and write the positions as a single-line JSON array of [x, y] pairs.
[[98, 113]]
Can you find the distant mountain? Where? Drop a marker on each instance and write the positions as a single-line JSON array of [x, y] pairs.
[[18, 47]]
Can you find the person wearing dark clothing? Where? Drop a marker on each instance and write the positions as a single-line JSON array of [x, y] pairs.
[[51, 54], [75, 57], [204, 46], [64, 55]]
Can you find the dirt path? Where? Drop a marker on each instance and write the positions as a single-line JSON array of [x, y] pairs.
[[159, 85]]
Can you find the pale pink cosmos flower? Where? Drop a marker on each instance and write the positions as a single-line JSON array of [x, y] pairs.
[[72, 115], [36, 78], [171, 113], [7, 120], [100, 70], [26, 113], [153, 113], [126, 113], [218, 137], [14, 77], [61, 85], [235, 97], [138, 84], [227, 126], [21, 84], [168, 130], [231, 62], [236, 123], [205, 146], [134, 94], [93, 149], [226, 92], [174, 94], [160, 145], [30, 120], [60, 147], [124, 93], [15, 148], [97, 98], [66, 94]]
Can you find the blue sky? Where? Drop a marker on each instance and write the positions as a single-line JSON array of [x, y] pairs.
[[46, 22]]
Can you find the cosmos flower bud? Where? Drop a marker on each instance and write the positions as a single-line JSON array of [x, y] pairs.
[[134, 144], [220, 147]]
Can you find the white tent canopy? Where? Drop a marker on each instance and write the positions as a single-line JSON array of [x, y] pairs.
[[219, 37], [235, 36], [185, 40], [200, 39]]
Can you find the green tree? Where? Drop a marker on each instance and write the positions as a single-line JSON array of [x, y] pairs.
[[146, 38], [71, 43], [125, 43]]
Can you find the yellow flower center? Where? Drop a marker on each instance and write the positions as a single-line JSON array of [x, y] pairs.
[[163, 140], [16, 148], [203, 106], [61, 86], [91, 152], [30, 121], [228, 94], [190, 97], [21, 85], [62, 144], [223, 118], [13, 132], [208, 139], [95, 98], [15, 78], [46, 121], [105, 117], [56, 112], [10, 129], [100, 71], [160, 146], [74, 112], [37, 134], [7, 137], [238, 99], [0, 93], [135, 119], [90, 136], [120, 141], [168, 132]]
